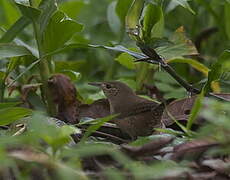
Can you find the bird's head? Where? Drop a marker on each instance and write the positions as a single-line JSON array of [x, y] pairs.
[[114, 89]]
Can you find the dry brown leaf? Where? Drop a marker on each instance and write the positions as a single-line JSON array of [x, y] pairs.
[[148, 149], [192, 148], [180, 109], [64, 95], [218, 165]]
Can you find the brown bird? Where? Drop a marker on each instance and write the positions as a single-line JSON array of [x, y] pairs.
[[137, 116]]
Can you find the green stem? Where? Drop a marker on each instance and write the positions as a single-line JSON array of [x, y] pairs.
[[2, 90], [144, 75], [44, 71]]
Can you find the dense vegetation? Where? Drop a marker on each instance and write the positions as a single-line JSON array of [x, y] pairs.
[[162, 49]]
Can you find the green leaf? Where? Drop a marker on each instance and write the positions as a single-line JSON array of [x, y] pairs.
[[67, 130], [132, 18], [126, 60], [11, 50], [153, 22], [60, 27], [48, 7], [183, 3], [9, 13], [217, 70], [13, 31], [25, 71], [195, 64], [24, 2], [180, 46], [195, 110], [30, 48], [9, 115], [177, 122], [118, 48], [227, 17], [72, 8], [113, 20], [29, 12], [14, 62], [68, 65], [74, 76], [61, 136], [8, 104], [169, 131], [96, 126], [122, 8], [46, 128]]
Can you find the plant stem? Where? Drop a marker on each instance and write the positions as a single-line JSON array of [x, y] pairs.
[[153, 56], [44, 71], [144, 75], [2, 90]]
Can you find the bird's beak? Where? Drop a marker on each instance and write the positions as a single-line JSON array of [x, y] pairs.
[[98, 84]]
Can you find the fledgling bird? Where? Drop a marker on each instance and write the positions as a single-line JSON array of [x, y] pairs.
[[137, 116]]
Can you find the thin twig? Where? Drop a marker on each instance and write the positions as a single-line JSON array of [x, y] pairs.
[[152, 54], [109, 136]]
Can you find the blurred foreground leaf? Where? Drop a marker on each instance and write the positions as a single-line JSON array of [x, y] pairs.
[[96, 126], [9, 115]]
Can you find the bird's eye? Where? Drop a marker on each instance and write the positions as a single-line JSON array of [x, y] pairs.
[[108, 86]]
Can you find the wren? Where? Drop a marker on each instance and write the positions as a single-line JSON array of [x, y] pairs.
[[137, 116]]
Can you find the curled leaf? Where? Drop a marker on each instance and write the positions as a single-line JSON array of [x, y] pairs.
[[64, 95]]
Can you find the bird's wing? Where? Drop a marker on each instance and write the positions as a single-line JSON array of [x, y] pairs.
[[138, 108]]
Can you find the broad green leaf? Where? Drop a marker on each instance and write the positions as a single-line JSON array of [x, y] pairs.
[[181, 46], [48, 7], [72, 8], [10, 13], [11, 50], [217, 70], [183, 3], [175, 51], [30, 48], [13, 31], [227, 17], [60, 27], [96, 126], [126, 60], [122, 8], [29, 12], [132, 18], [113, 19], [153, 22], [69, 65], [73, 75], [195, 64], [8, 104], [9, 115]]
